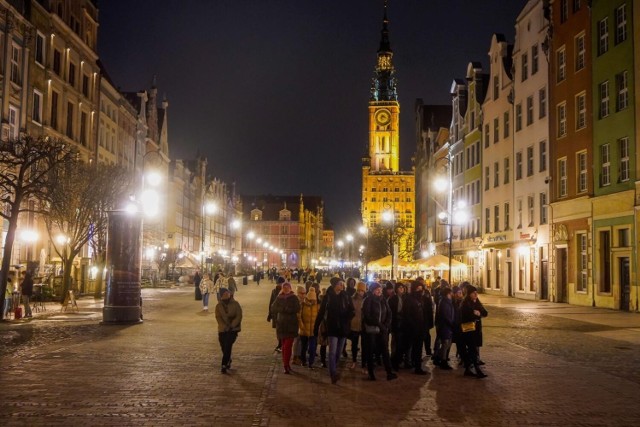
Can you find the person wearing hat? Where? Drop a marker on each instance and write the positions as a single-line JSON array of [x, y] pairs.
[[301, 293], [337, 311], [445, 324], [229, 317], [376, 320], [356, 335], [413, 324], [285, 310], [398, 344], [471, 313], [306, 320], [274, 294]]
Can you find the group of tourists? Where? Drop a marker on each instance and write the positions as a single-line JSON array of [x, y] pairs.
[[12, 298], [367, 315], [387, 324]]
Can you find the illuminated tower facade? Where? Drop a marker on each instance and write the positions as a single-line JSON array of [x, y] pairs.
[[384, 186]]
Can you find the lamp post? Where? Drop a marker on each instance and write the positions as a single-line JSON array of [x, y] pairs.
[[390, 216], [349, 238], [365, 231], [455, 213]]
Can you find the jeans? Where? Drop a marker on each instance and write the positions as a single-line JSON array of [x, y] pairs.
[[308, 345], [27, 306], [7, 307], [444, 350], [354, 337], [287, 345], [336, 344], [379, 344], [205, 300], [226, 344]]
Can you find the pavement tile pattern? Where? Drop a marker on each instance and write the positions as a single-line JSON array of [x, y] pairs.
[[551, 365]]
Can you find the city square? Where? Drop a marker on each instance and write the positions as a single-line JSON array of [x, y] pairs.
[[544, 366], [202, 202]]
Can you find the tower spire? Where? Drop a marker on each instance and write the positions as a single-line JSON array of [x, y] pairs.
[[385, 46]]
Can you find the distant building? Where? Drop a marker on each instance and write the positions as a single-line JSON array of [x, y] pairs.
[[286, 231], [384, 186], [432, 133]]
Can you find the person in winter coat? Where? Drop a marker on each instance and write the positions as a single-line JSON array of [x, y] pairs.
[[27, 291], [351, 286], [337, 311], [457, 298], [413, 324], [231, 285], [427, 306], [274, 294], [206, 289], [399, 346], [301, 293], [285, 310], [445, 325], [196, 282], [356, 323], [229, 317], [306, 321], [376, 320], [471, 313]]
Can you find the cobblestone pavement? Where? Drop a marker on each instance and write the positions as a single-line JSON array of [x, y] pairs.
[[545, 367]]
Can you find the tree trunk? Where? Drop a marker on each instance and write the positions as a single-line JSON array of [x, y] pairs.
[[66, 276], [6, 255]]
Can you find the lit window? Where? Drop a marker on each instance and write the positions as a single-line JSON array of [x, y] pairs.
[[605, 157], [581, 111], [582, 172], [604, 99]]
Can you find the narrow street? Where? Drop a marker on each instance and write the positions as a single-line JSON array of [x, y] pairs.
[[544, 366]]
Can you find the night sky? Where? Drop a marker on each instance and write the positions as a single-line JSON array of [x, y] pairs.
[[275, 92]]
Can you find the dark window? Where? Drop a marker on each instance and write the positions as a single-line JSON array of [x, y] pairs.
[[57, 59], [69, 120], [54, 110]]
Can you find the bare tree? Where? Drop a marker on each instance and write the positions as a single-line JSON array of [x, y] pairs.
[[26, 173], [381, 236], [77, 212]]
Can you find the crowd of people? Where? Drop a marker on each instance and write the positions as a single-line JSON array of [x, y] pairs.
[[388, 324], [383, 324]]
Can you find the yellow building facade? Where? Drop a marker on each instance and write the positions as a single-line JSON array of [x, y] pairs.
[[384, 186]]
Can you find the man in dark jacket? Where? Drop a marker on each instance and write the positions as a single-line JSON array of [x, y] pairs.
[[27, 291], [413, 324], [399, 347], [336, 311], [274, 294], [376, 319], [445, 324], [427, 306], [229, 317]]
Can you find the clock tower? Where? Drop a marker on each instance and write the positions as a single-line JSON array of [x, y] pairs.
[[384, 186], [384, 109]]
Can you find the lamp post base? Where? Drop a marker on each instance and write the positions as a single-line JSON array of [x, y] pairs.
[[118, 315]]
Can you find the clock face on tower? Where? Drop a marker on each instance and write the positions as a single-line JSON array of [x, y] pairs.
[[383, 117]]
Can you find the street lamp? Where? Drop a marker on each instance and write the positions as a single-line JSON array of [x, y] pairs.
[[365, 231], [455, 214], [389, 216], [349, 238]]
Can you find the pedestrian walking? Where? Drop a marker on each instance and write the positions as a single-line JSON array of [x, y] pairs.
[[301, 293], [27, 291], [413, 325], [427, 307], [285, 309], [356, 335], [306, 320], [445, 325], [472, 311], [337, 311], [270, 318], [206, 288], [8, 296], [229, 317], [196, 283], [399, 345], [376, 320]]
